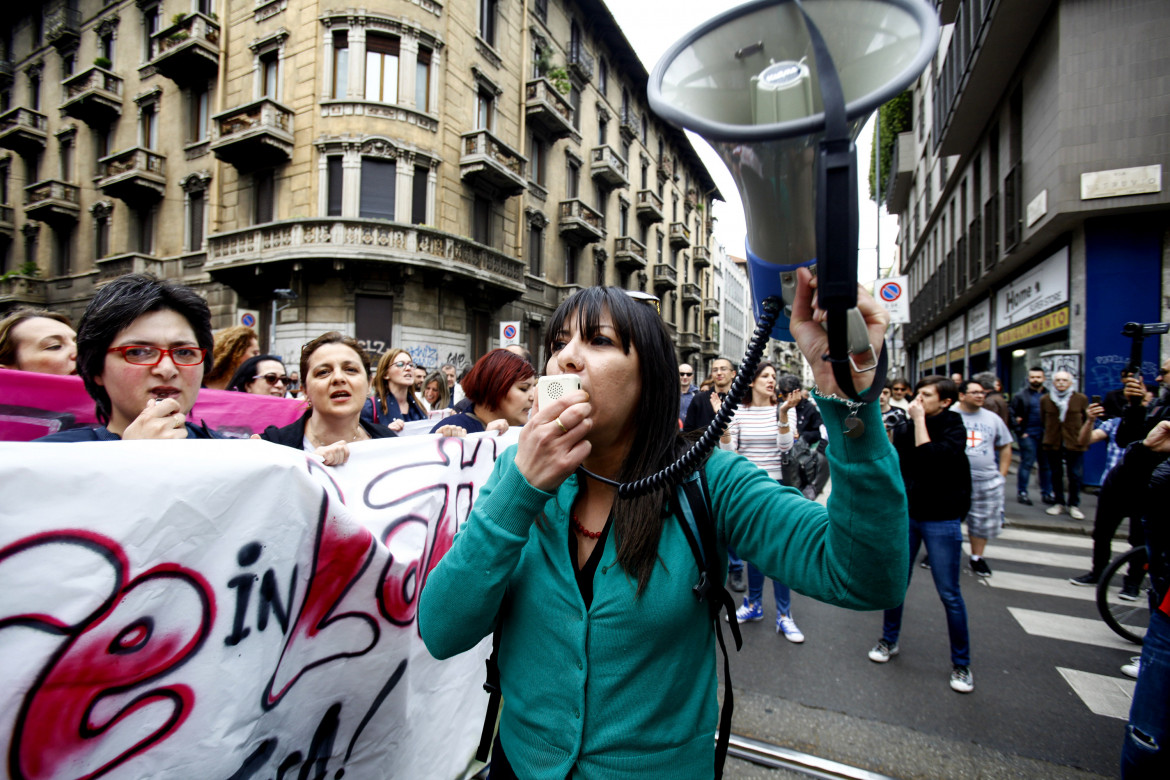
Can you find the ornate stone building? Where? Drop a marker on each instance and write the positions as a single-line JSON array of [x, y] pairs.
[[414, 172]]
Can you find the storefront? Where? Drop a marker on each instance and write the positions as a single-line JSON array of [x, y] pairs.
[[956, 349], [979, 337], [1032, 317]]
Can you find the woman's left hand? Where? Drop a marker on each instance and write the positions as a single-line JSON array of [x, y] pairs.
[[458, 431], [335, 454], [500, 426], [790, 401], [813, 340], [396, 425]]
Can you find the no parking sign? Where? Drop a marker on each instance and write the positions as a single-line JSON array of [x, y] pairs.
[[894, 295], [509, 333]]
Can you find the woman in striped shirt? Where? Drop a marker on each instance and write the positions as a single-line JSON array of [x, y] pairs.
[[761, 434]]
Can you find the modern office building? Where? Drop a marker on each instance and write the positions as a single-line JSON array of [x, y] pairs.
[[410, 172]]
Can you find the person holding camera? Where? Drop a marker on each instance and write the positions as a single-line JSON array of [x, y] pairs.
[[590, 593]]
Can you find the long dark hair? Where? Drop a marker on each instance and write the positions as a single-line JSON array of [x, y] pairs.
[[637, 522], [759, 370]]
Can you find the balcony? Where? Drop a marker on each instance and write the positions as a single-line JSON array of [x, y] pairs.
[[710, 307], [691, 294], [649, 206], [608, 166], [359, 247], [580, 62], [52, 201], [631, 125], [688, 341], [665, 277], [94, 96], [490, 164], [901, 174], [253, 136], [113, 266], [63, 26], [24, 131], [135, 176], [665, 169], [629, 254], [709, 348], [548, 111], [579, 223], [701, 257], [18, 290], [187, 52], [680, 235]]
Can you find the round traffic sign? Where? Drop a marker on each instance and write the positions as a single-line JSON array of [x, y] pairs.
[[890, 292], [509, 332], [248, 320]]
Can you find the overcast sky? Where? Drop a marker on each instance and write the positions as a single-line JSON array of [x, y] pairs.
[[653, 25]]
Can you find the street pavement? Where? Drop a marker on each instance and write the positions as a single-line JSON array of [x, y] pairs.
[[1049, 699]]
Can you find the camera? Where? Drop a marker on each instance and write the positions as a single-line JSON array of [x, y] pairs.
[[554, 388]]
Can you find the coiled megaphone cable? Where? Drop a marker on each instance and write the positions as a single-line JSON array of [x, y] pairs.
[[676, 472]]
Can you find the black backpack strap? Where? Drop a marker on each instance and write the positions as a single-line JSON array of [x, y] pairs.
[[491, 684], [696, 519]]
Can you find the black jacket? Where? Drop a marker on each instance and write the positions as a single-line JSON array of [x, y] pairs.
[[699, 414], [1138, 420], [1020, 407], [937, 474], [293, 435], [808, 422]]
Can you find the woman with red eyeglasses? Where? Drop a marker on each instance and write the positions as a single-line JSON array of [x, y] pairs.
[[142, 349], [261, 375]]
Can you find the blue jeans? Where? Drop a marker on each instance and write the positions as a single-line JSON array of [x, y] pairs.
[[944, 545], [734, 562], [756, 590], [1146, 749], [1029, 453], [1074, 462]]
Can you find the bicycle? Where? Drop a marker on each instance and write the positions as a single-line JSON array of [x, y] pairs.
[[1122, 595]]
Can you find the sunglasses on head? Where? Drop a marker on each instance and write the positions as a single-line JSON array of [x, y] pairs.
[[273, 378]]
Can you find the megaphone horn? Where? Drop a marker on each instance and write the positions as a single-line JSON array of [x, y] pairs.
[[780, 89]]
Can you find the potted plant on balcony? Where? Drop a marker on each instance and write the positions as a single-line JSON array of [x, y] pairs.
[[102, 62]]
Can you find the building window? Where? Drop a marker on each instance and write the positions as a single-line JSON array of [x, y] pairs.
[[151, 21], [572, 260], [645, 174], [65, 155], [418, 195], [422, 79], [624, 220], [536, 159], [487, 21], [101, 237], [645, 128], [602, 130], [199, 111], [485, 109], [68, 64], [535, 250], [575, 102], [336, 176], [572, 179], [195, 209], [541, 8], [481, 221], [340, 64], [62, 251], [263, 196], [659, 232], [34, 91], [625, 150], [603, 77], [270, 74], [378, 188], [106, 46], [144, 231], [382, 69], [148, 127]]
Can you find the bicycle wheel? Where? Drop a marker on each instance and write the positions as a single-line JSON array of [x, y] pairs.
[[1130, 616]]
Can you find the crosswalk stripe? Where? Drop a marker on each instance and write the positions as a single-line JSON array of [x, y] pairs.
[[1078, 563], [1041, 537], [1102, 694], [1070, 629], [1043, 586]]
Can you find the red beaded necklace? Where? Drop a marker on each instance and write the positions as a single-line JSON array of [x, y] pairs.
[[583, 530]]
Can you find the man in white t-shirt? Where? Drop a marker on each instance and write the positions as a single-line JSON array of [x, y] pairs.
[[989, 452]]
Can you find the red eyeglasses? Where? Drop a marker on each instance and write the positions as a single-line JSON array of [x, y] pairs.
[[142, 355]]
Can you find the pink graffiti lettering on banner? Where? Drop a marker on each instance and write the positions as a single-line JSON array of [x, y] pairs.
[[35, 405], [68, 723]]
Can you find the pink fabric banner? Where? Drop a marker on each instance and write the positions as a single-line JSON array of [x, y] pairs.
[[35, 405]]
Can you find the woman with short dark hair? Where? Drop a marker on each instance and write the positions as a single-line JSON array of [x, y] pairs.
[[591, 593], [500, 389]]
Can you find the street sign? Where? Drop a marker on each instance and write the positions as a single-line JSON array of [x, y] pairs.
[[247, 317], [509, 333], [892, 294]]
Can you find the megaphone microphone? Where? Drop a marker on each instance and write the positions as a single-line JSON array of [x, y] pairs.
[[781, 89]]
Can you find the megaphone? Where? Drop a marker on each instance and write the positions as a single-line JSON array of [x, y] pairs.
[[768, 84]]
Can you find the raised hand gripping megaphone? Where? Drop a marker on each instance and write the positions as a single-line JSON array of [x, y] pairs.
[[780, 89]]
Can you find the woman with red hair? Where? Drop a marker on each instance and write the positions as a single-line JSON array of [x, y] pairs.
[[500, 387]]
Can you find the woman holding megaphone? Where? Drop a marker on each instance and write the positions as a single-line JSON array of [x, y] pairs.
[[605, 655]]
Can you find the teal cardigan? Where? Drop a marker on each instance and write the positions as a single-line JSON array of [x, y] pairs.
[[627, 688]]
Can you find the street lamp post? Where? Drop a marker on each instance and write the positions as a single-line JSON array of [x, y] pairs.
[[281, 294]]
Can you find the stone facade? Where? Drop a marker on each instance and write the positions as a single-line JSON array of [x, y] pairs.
[[414, 171]]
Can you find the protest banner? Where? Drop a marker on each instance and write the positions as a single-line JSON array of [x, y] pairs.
[[232, 609]]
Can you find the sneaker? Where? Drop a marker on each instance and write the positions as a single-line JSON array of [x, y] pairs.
[[1054, 510], [925, 562], [1132, 668], [1075, 513], [750, 611], [980, 567], [1089, 578], [1048, 498], [1129, 593], [737, 581], [961, 679], [883, 651], [787, 626], [1023, 499]]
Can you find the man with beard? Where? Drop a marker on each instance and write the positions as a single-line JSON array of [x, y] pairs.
[[1029, 425], [1065, 412]]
